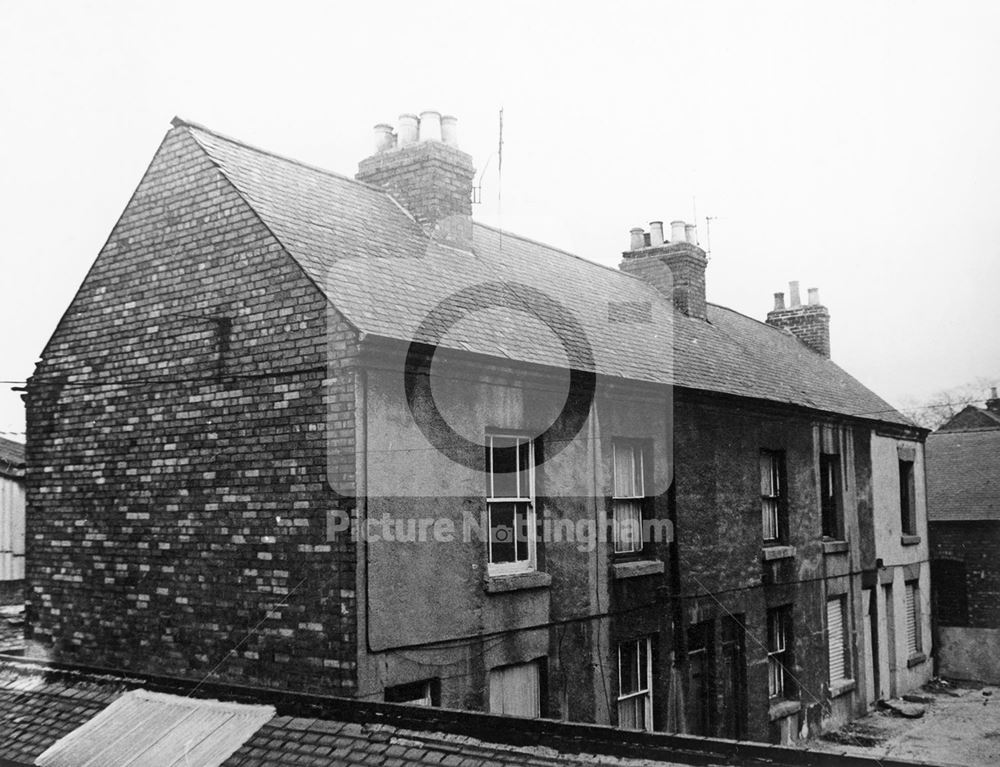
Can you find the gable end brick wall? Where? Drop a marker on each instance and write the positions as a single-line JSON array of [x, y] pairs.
[[177, 501]]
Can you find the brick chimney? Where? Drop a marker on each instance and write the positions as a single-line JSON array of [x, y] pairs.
[[676, 267], [993, 403], [810, 323], [421, 165]]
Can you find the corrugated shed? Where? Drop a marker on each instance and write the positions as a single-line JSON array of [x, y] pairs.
[[151, 729], [380, 269]]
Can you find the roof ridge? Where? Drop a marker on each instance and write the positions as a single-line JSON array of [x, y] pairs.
[[180, 122]]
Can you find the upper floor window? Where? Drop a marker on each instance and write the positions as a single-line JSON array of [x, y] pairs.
[[779, 652], [629, 497], [829, 493], [510, 503], [635, 684], [772, 493], [907, 501]]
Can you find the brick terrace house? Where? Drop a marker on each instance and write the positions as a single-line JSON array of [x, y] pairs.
[[963, 487], [268, 359]]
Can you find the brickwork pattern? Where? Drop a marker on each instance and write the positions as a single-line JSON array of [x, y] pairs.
[[432, 180], [677, 270], [177, 470], [977, 545], [810, 324]]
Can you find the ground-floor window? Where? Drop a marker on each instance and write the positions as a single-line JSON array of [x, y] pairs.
[[635, 688], [516, 690], [779, 652], [423, 693], [836, 637], [914, 642]]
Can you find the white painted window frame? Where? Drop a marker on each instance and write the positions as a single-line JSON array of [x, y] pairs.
[[645, 692]]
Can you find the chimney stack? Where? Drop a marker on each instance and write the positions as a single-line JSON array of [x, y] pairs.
[[423, 168], [809, 323], [993, 403], [675, 268]]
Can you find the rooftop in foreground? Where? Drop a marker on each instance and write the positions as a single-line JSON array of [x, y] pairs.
[[41, 704]]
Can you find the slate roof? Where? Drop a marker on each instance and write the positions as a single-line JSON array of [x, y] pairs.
[[963, 475], [36, 711], [379, 268], [11, 458]]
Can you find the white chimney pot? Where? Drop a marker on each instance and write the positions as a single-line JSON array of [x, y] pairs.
[[793, 294], [637, 239], [449, 130], [691, 233], [655, 233], [383, 137], [407, 133], [677, 231], [813, 296], [430, 126]]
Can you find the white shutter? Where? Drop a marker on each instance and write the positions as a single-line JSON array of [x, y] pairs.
[[515, 690], [835, 636], [911, 620]]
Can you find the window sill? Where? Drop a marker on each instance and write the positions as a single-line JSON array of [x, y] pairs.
[[778, 552], [909, 540], [915, 660], [842, 687], [782, 708], [835, 547], [500, 584], [638, 568]]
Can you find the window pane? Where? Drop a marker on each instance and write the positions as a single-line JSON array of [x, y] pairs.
[[632, 713], [769, 477], [625, 471], [769, 514], [502, 519], [628, 665], [505, 476], [627, 526]]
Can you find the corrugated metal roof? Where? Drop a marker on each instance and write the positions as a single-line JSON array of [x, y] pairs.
[[149, 729]]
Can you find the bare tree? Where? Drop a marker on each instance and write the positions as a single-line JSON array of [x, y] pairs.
[[943, 405]]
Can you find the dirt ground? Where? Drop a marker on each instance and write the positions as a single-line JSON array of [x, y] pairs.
[[961, 726]]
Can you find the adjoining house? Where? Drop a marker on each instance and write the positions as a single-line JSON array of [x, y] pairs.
[[330, 435], [963, 488], [11, 522]]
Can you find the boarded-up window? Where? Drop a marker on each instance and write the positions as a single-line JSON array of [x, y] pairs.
[[913, 639], [516, 690], [836, 639]]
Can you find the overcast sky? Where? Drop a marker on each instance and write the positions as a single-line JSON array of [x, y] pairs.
[[852, 146]]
